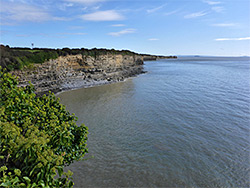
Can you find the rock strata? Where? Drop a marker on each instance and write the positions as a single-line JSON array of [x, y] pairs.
[[77, 71]]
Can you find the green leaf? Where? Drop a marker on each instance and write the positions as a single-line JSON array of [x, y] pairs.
[[27, 179], [38, 176], [34, 185], [41, 183], [71, 184], [5, 184], [60, 171], [14, 181], [22, 185]]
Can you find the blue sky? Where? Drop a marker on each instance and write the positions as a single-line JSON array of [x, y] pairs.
[[166, 27]]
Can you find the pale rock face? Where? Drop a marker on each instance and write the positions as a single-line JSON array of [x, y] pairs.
[[76, 71]]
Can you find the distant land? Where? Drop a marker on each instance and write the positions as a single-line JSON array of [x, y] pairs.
[[213, 56], [64, 69]]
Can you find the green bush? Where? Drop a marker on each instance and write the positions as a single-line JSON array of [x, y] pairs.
[[38, 137]]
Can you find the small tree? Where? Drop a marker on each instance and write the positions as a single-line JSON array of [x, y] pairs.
[[38, 137]]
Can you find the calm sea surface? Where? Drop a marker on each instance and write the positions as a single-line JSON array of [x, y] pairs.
[[184, 123]]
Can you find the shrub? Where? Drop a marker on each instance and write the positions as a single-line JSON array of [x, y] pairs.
[[38, 137]]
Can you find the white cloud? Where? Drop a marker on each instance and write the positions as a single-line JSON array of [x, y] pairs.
[[3, 32], [225, 25], [232, 39], [155, 9], [212, 2], [84, 1], [61, 19], [50, 35], [218, 9], [123, 32], [195, 15], [153, 39], [118, 25], [72, 33], [19, 12], [96, 8], [23, 35], [76, 27], [170, 13], [64, 6], [108, 15]]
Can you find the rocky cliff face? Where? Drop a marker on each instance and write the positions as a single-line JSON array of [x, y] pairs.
[[76, 71]]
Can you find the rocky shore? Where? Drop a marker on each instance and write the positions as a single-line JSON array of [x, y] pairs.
[[78, 71]]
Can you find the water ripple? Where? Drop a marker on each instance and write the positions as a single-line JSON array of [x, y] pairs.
[[184, 124]]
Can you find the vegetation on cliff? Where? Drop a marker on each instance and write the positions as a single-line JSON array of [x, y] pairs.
[[18, 58], [38, 137]]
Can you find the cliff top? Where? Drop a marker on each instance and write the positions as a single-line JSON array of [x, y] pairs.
[[15, 58]]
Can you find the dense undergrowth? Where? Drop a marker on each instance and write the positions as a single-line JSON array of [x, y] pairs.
[[38, 137]]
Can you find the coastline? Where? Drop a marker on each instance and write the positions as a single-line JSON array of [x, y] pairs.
[[78, 71], [92, 84], [58, 70], [79, 84], [70, 84]]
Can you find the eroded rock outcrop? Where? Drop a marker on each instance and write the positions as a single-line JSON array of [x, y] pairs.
[[76, 71]]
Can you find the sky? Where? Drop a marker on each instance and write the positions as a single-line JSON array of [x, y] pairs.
[[159, 27]]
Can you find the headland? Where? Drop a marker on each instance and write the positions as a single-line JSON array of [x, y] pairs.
[[57, 70]]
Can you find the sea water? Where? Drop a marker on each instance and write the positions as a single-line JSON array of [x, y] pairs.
[[183, 123]]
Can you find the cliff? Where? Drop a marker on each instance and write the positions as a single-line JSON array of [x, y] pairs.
[[63, 69], [76, 71]]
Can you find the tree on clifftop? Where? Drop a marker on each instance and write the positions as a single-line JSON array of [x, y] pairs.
[[38, 137]]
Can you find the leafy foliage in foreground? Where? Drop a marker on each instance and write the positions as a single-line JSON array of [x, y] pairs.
[[38, 137]]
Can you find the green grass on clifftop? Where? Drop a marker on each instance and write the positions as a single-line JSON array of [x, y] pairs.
[[19, 58]]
